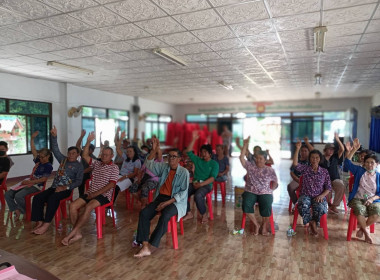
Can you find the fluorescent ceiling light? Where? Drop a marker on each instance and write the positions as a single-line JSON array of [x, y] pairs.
[[168, 56], [71, 67], [319, 38], [227, 87]]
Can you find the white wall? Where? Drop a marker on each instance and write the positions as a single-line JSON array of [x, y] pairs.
[[64, 96], [362, 105], [376, 100]]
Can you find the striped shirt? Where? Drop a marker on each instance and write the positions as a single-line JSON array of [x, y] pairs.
[[102, 175]]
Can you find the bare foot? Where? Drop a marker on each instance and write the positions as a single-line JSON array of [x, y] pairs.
[[65, 241], [359, 233], [144, 252], [313, 228], [256, 228], [38, 224], [76, 237], [368, 238], [188, 216], [333, 210], [42, 229], [204, 219]]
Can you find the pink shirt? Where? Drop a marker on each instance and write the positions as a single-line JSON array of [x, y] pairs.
[[259, 179], [367, 186]]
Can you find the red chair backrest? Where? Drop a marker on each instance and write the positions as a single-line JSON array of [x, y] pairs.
[[299, 187], [351, 182], [4, 183]]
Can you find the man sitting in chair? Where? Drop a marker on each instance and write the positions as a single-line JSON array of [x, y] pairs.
[[170, 198], [104, 176]]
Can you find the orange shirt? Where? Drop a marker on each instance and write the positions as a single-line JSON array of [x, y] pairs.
[[166, 188]]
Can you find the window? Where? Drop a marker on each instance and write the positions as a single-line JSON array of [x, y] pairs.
[[19, 119], [156, 124], [105, 122]]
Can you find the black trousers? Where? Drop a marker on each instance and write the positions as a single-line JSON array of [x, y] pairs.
[[148, 213], [82, 186], [52, 199]]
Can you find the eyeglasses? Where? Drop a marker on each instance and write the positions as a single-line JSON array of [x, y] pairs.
[[173, 156]]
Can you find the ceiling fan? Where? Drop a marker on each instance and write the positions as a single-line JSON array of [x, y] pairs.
[[75, 112]]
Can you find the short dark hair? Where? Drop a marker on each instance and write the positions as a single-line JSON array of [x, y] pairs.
[[3, 143], [73, 148], [366, 151], [262, 153], [207, 147], [47, 152], [91, 147], [136, 156], [372, 156], [108, 148], [316, 152], [175, 150]]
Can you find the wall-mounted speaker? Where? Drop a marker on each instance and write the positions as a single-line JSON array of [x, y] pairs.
[[136, 109]]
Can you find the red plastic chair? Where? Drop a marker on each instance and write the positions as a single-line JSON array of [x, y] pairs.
[[100, 212], [271, 221], [352, 224], [222, 190], [172, 228], [132, 199], [3, 189], [62, 210], [209, 205], [28, 203], [322, 222]]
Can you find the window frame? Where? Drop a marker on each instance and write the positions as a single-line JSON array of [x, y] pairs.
[[27, 136], [107, 118], [158, 124]]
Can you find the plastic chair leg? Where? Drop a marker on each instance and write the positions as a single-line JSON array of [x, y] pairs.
[[323, 223], [272, 223], [223, 191], [295, 217], [351, 224], [173, 225], [290, 206], [28, 208], [209, 204], [215, 188], [372, 228], [243, 221], [99, 222], [181, 226], [345, 203]]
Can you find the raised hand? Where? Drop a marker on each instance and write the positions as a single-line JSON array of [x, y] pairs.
[[122, 135], [356, 144], [155, 144], [53, 131], [348, 146], [118, 129], [195, 134], [83, 133], [90, 137], [34, 135], [306, 139], [336, 136], [246, 141], [298, 144]]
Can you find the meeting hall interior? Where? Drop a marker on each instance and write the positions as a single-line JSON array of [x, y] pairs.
[[234, 74]]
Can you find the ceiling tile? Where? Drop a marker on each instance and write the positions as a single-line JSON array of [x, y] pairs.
[[224, 44], [345, 29], [370, 38], [46, 56], [136, 55], [193, 48], [7, 17], [244, 12], [31, 9], [213, 34], [178, 39], [69, 5], [67, 41], [204, 56], [348, 15], [27, 60], [334, 4], [42, 45], [200, 19], [93, 50], [136, 10], [173, 7], [94, 36], [125, 31], [35, 29], [377, 14], [20, 49], [297, 22], [374, 26], [10, 36], [368, 47], [286, 8], [68, 54], [65, 23], [98, 16], [148, 43], [260, 40], [120, 46], [161, 26], [296, 35], [217, 3], [253, 28]]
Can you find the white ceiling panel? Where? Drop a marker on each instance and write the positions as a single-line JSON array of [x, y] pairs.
[[253, 28], [200, 19], [244, 12], [98, 16], [136, 10], [335, 4], [281, 8], [35, 29], [160, 26], [31, 9], [177, 39], [214, 34], [301, 21], [173, 7], [347, 15], [69, 5], [8, 17], [65, 23]]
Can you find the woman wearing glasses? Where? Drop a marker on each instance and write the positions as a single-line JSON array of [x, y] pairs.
[[43, 167]]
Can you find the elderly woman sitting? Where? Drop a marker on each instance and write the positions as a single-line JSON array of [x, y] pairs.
[[364, 198], [316, 185], [260, 183]]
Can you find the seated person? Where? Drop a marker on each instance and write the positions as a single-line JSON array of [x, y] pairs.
[[170, 198], [224, 164], [43, 167], [86, 169], [316, 185], [256, 149], [293, 185], [261, 181], [5, 163], [130, 167], [206, 170], [68, 176], [364, 199], [104, 176], [330, 161]]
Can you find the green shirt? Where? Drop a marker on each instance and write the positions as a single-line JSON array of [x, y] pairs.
[[203, 169]]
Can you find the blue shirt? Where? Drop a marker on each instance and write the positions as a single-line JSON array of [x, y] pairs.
[[42, 170], [180, 183]]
